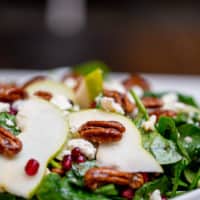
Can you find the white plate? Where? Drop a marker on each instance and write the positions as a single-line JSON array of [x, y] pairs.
[[186, 84]]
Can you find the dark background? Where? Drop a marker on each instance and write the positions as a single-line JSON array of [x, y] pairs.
[[127, 35]]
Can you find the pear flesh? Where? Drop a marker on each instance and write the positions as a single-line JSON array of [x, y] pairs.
[[125, 155], [44, 132]]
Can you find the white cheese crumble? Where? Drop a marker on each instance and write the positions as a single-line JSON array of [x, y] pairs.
[[87, 148], [63, 153], [188, 139], [4, 107], [149, 124], [138, 90], [175, 106], [169, 98], [17, 104], [9, 122], [62, 102], [114, 85], [70, 82], [109, 104], [156, 195]]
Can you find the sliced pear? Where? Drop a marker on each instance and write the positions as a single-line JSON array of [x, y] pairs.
[[44, 132], [55, 88], [127, 154], [91, 85]]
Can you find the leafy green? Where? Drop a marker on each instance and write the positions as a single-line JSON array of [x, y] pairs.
[[86, 68], [53, 187], [154, 94], [187, 100], [8, 122], [108, 190], [190, 139], [76, 174], [7, 196], [164, 150], [143, 193]]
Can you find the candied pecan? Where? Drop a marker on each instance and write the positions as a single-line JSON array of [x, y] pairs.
[[11, 92], [166, 113], [136, 80], [58, 171], [152, 102], [34, 79], [102, 131], [96, 177], [10, 145], [121, 99], [77, 77], [44, 95]]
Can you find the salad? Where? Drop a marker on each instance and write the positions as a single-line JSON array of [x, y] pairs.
[[88, 136]]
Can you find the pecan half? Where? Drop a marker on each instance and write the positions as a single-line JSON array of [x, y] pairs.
[[44, 95], [136, 80], [34, 79], [96, 177], [152, 102], [102, 131], [121, 99], [10, 145], [11, 92], [166, 113], [74, 76]]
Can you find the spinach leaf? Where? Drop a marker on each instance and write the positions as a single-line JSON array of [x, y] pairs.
[[8, 122], [144, 192], [108, 190], [190, 139], [53, 187], [187, 100], [164, 151], [7, 196], [154, 94], [86, 68], [76, 174]]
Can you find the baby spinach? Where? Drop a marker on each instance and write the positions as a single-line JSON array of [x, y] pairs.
[[8, 122], [108, 190], [144, 192], [189, 100]]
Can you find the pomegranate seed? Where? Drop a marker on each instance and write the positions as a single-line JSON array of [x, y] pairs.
[[76, 152], [80, 159], [164, 198], [32, 167], [145, 176], [13, 111], [67, 162], [127, 193]]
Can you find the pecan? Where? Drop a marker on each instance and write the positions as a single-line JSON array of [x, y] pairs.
[[96, 177], [11, 92], [44, 95], [10, 145], [136, 80], [58, 171], [76, 77], [34, 79], [152, 102], [121, 99], [166, 113], [102, 131]]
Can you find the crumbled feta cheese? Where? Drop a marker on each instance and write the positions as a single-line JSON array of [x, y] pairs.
[[62, 102], [109, 104], [86, 147], [169, 98], [4, 107], [114, 85], [156, 195], [138, 90], [149, 124], [70, 82], [175, 106], [17, 104], [9, 122], [188, 139]]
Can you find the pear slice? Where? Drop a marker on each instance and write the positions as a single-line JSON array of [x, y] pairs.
[[91, 85], [55, 88], [127, 154], [44, 132]]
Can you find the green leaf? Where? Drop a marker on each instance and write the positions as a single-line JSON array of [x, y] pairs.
[[143, 193], [108, 190], [88, 67], [189, 100], [154, 94], [8, 122]]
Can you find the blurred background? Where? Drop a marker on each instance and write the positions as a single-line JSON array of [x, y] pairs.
[[127, 35]]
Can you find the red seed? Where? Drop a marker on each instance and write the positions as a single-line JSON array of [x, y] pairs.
[[127, 193], [13, 111], [76, 152], [145, 176], [32, 167], [67, 162], [80, 159], [164, 198]]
